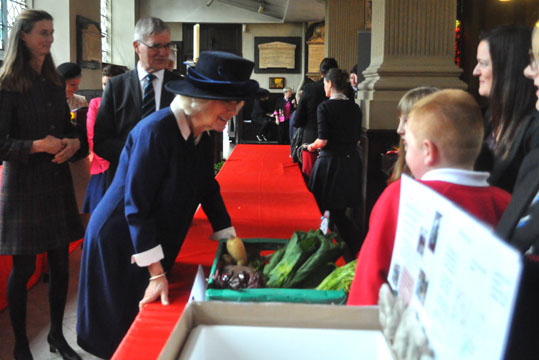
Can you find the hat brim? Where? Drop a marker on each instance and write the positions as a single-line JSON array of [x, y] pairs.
[[218, 92]]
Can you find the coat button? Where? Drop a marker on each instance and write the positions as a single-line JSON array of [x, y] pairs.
[[52, 127], [49, 104]]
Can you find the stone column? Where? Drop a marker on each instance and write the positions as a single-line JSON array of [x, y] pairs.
[[412, 45], [343, 20]]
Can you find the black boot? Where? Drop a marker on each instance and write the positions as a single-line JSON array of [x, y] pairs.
[[22, 270], [22, 351], [59, 270], [59, 343]]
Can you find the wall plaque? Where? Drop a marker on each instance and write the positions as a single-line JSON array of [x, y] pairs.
[[277, 54], [316, 55]]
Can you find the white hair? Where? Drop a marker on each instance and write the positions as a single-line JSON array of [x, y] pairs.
[[192, 106]]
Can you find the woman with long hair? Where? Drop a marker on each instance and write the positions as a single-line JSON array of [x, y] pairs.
[[38, 210], [335, 180], [512, 125]]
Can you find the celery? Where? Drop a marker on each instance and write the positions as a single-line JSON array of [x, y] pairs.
[[340, 278]]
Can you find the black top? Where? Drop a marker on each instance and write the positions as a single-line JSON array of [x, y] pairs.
[[313, 95], [339, 122], [505, 170]]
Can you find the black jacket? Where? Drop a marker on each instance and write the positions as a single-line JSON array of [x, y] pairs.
[[119, 112], [313, 95]]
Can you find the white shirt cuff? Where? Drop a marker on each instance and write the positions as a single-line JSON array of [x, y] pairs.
[[226, 234], [148, 257]]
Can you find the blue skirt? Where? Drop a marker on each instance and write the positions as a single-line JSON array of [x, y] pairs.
[[94, 192]]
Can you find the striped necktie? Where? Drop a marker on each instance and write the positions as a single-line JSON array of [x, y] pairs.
[[148, 99]]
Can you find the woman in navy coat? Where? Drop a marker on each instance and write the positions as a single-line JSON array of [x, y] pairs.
[[165, 172]]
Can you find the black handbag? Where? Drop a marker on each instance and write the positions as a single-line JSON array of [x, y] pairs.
[[79, 124], [296, 146]]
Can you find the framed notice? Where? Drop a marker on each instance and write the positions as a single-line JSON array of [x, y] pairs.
[[277, 54], [88, 43]]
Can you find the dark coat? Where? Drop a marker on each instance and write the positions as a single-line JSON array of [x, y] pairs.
[[38, 210], [525, 190], [161, 180], [313, 95], [119, 112], [505, 170]]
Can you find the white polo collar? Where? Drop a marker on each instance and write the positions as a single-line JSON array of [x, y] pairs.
[[458, 176]]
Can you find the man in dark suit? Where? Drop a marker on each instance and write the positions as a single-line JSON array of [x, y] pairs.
[[313, 95], [134, 95]]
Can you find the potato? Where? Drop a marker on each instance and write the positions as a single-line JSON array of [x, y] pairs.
[[236, 249]]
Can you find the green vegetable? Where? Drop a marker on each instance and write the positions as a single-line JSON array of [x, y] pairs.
[[299, 248], [274, 260], [318, 265], [340, 278]]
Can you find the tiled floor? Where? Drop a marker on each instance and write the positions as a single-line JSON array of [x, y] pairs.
[[38, 310]]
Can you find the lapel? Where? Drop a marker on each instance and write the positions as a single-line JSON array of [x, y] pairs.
[[520, 201], [166, 96], [134, 89]]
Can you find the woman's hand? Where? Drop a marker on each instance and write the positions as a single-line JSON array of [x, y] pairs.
[[48, 144], [70, 147], [157, 287]]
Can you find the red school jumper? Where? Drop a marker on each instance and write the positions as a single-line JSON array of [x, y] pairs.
[[487, 203]]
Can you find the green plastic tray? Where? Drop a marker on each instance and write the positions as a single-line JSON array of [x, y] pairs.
[[310, 296]]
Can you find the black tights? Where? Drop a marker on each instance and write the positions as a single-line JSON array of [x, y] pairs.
[[347, 230], [23, 268]]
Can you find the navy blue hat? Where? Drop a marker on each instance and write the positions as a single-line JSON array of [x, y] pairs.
[[218, 75]]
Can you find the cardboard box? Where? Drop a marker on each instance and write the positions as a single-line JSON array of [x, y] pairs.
[[228, 330], [310, 296]]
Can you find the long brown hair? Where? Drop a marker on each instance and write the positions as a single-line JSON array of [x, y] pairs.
[[16, 73]]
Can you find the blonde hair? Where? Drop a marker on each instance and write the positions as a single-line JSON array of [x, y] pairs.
[[404, 106], [452, 120], [192, 106], [408, 100]]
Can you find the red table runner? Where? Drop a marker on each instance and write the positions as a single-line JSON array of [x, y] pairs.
[[266, 197]]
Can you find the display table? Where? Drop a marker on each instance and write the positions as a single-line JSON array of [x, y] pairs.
[[266, 197]]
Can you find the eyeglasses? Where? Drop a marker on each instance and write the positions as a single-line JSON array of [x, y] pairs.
[[156, 46], [534, 62]]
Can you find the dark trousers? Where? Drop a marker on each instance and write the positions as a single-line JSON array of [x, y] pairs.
[[284, 137]]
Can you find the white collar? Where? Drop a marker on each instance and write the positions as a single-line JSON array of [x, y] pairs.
[[458, 176], [142, 73], [338, 97], [181, 119]]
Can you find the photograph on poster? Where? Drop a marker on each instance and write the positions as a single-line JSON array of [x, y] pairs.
[[421, 242], [422, 285], [434, 231]]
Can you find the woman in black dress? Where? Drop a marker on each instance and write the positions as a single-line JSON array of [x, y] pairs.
[[335, 180], [38, 210]]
